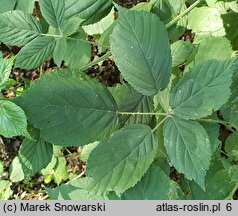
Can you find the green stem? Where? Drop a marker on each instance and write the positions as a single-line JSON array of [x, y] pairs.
[[138, 113], [158, 125], [177, 18], [102, 58]]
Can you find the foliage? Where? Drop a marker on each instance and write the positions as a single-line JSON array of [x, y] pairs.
[[177, 92]]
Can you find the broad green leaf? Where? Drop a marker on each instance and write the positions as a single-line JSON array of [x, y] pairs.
[[6, 5], [101, 26], [211, 47], [211, 2], [77, 54], [231, 146], [180, 51], [35, 53], [5, 70], [69, 110], [188, 147], [18, 28], [143, 58], [34, 154], [71, 26], [154, 185], [60, 51], [146, 6], [16, 172], [5, 189], [191, 98], [53, 11], [73, 190], [91, 11], [206, 21], [115, 165], [12, 120], [25, 5], [129, 100]]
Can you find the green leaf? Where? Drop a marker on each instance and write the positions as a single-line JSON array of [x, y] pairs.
[[211, 47], [115, 165], [129, 100], [87, 149], [154, 185], [1, 168], [60, 51], [18, 28], [5, 189], [61, 172], [16, 172], [25, 5], [34, 154], [218, 187], [5, 70], [91, 11], [6, 5], [143, 58], [74, 190], [101, 26], [12, 120], [77, 54], [206, 21], [188, 147], [146, 6], [231, 146], [71, 26], [53, 11], [180, 51], [35, 53], [64, 110], [191, 98]]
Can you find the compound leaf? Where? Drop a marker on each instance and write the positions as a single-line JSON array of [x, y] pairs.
[[203, 89], [12, 120], [188, 147], [35, 53], [18, 28], [115, 165], [35, 154], [53, 11], [142, 51], [64, 110], [91, 11]]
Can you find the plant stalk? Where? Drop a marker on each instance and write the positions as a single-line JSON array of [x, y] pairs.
[[177, 18]]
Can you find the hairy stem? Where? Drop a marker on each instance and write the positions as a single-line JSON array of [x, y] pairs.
[[177, 18]]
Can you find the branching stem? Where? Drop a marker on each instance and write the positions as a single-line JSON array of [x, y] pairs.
[[158, 125]]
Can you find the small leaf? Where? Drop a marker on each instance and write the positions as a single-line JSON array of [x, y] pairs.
[[18, 28], [231, 146], [188, 147], [143, 58], [5, 189], [12, 120], [61, 172], [6, 5], [60, 51], [64, 110], [25, 5], [115, 165], [5, 70], [34, 154], [77, 54], [180, 51], [191, 98], [16, 172], [35, 53], [53, 11]]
